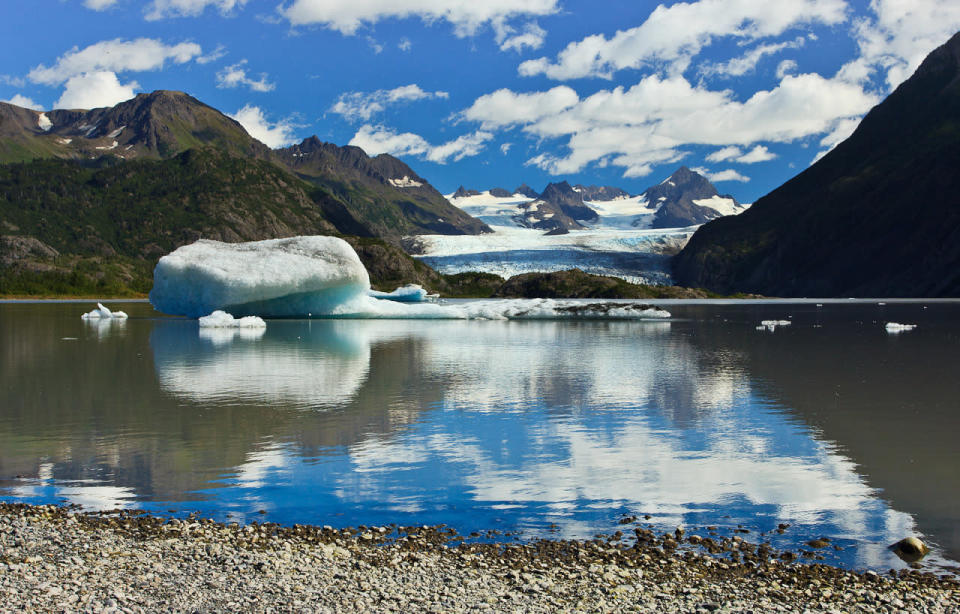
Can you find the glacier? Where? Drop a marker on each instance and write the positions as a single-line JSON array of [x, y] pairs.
[[318, 276]]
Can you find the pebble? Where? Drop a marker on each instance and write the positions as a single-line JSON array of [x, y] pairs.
[[131, 562]]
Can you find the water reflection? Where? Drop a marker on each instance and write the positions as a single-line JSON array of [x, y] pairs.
[[551, 427]]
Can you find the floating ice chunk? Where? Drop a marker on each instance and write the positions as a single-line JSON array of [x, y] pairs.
[[771, 325], [278, 277], [222, 319], [895, 327], [411, 293], [103, 312]]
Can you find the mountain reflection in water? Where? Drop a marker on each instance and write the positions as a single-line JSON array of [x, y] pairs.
[[552, 428]]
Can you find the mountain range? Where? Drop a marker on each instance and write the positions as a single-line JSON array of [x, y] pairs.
[[685, 198], [879, 215]]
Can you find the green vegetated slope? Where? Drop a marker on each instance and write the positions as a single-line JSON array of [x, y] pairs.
[[877, 216]]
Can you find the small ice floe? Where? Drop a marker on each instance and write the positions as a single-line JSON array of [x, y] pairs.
[[411, 293], [896, 327], [102, 312], [771, 325], [222, 319]]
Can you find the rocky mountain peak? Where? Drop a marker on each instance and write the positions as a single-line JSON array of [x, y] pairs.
[[526, 191]]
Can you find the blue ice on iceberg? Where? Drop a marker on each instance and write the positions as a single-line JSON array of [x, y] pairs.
[[411, 293], [323, 277]]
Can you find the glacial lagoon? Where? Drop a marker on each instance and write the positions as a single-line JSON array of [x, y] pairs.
[[533, 428]]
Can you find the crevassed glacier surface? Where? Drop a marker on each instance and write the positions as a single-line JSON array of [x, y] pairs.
[[323, 277]]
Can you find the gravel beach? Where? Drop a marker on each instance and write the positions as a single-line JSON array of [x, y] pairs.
[[56, 559]]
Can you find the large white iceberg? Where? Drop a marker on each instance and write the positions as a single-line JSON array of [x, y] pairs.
[[273, 278], [323, 277]]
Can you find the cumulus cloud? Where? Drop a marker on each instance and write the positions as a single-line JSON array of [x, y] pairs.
[[11, 80], [505, 107], [159, 9], [651, 122], [725, 175], [361, 106], [22, 101], [99, 5], [235, 75], [272, 134], [467, 16], [722, 155], [747, 63], [505, 148], [114, 56], [842, 129], [672, 36], [92, 90], [532, 36], [786, 67], [900, 36], [379, 139], [758, 154]]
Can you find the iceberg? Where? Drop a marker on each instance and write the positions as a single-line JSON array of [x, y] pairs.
[[896, 327], [411, 293], [222, 319], [102, 312], [273, 278], [322, 277]]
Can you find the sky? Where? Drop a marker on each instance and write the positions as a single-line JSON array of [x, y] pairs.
[[495, 93]]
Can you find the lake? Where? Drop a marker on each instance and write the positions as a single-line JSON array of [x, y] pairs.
[[534, 428]]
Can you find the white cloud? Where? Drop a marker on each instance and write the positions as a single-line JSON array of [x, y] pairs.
[[651, 122], [758, 154], [404, 44], [672, 35], [159, 9], [213, 56], [465, 146], [11, 80], [273, 135], [99, 5], [467, 16], [726, 175], [505, 148], [235, 75], [505, 107], [376, 140], [786, 67], [722, 155], [747, 63], [900, 36], [532, 37], [361, 106], [22, 101], [92, 90], [114, 56]]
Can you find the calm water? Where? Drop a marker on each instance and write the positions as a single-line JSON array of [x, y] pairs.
[[547, 428]]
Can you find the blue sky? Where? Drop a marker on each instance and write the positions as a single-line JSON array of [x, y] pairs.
[[491, 93]]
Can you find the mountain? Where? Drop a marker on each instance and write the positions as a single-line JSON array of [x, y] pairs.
[[156, 125], [558, 208], [527, 191], [877, 216], [380, 196], [600, 192], [686, 198]]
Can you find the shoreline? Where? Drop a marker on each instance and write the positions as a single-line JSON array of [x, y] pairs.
[[60, 559]]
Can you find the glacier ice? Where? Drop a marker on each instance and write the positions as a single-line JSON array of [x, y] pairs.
[[896, 327], [104, 313], [410, 293], [273, 278], [323, 277], [222, 319]]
